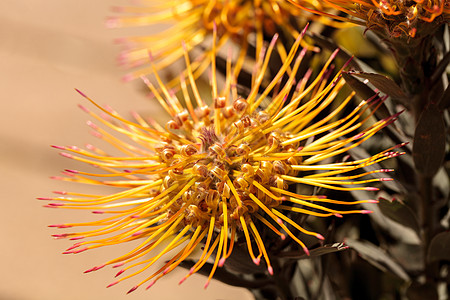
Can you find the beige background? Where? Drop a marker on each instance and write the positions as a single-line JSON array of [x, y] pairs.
[[47, 48]]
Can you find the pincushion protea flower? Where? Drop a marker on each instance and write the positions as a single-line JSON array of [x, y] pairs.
[[219, 171], [391, 18], [408, 28], [242, 22]]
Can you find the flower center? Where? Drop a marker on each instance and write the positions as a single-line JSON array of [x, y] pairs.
[[217, 175]]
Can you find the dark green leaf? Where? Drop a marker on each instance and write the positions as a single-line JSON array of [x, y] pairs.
[[365, 92], [399, 212], [384, 84], [439, 247], [429, 141], [377, 257], [325, 249], [361, 89]]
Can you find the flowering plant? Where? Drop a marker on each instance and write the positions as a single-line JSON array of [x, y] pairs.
[[255, 172]]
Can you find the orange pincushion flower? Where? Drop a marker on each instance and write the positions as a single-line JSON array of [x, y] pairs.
[[391, 18], [220, 169]]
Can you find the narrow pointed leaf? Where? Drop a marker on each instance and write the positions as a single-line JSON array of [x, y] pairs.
[[400, 213], [377, 257], [384, 84], [365, 92], [429, 141]]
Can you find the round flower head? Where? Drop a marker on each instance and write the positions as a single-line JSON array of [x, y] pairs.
[[243, 22], [390, 18], [221, 168]]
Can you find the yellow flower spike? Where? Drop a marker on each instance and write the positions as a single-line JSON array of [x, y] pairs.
[[261, 247], [220, 169], [217, 259], [224, 231]]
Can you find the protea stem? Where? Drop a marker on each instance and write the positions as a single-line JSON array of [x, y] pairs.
[[416, 65]]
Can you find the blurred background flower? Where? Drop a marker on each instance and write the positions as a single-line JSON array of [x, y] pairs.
[[244, 24]]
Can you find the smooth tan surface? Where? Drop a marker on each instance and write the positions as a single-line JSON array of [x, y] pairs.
[[48, 48]]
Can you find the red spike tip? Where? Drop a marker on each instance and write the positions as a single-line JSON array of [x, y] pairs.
[[386, 179], [60, 192], [74, 246], [221, 262], [127, 78], [60, 236], [83, 108], [151, 284], [372, 189], [94, 269], [133, 289], [306, 251], [256, 261], [206, 285], [112, 22], [59, 226], [81, 93], [111, 284], [68, 155], [319, 236], [75, 251], [58, 147]]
